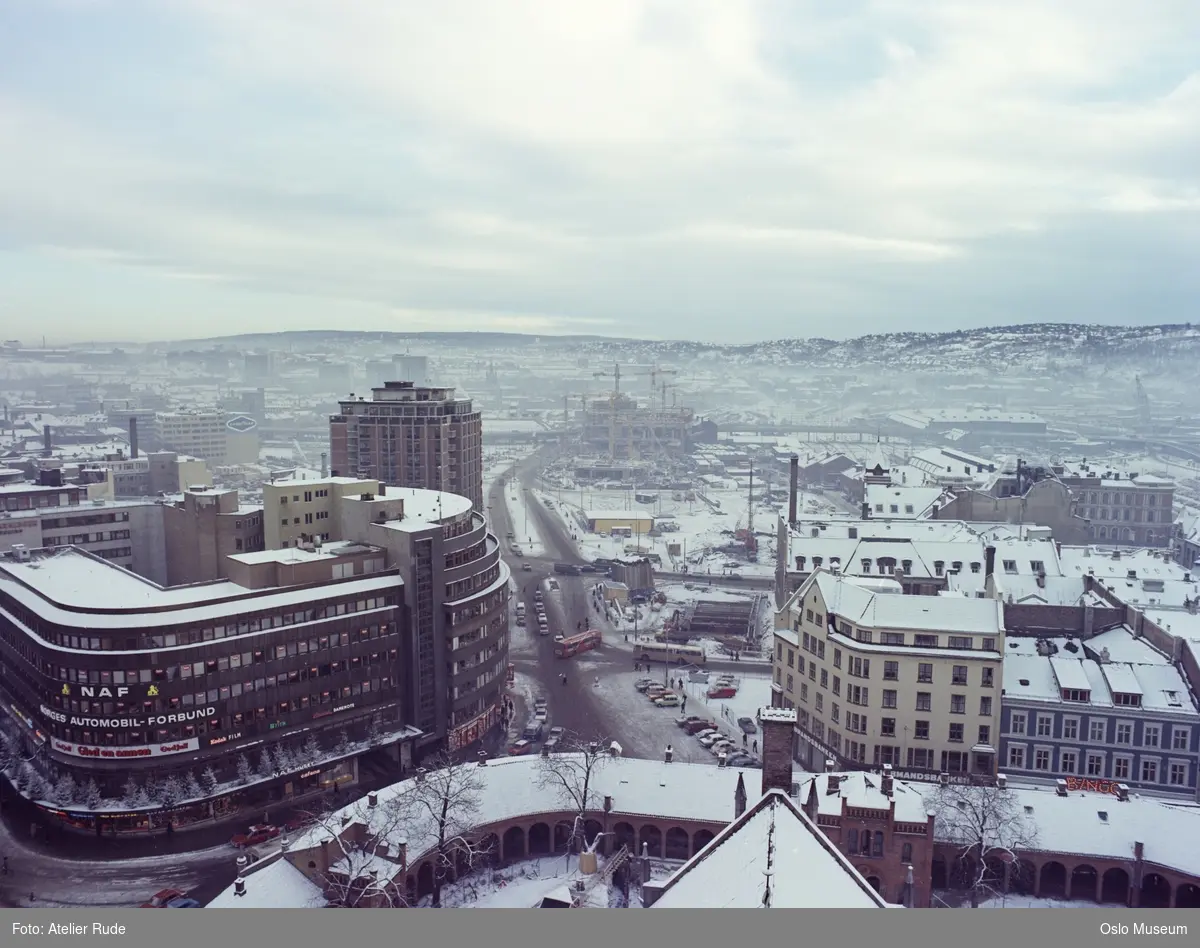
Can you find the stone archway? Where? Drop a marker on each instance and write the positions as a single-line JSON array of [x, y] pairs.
[[1083, 882], [939, 875], [562, 836], [701, 839], [425, 880], [1022, 877], [626, 835], [1156, 892], [539, 839], [651, 840], [592, 829], [1114, 887], [875, 883], [514, 844], [489, 851], [1187, 896], [1053, 881], [678, 844]]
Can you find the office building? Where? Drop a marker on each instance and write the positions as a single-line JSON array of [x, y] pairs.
[[411, 436], [204, 529]]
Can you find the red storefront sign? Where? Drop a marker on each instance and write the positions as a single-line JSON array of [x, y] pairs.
[[1092, 785]]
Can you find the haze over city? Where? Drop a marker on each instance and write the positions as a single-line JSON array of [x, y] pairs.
[[724, 171]]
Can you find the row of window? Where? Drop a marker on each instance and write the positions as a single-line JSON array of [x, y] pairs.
[[1151, 770], [1153, 735], [861, 667], [858, 723], [1133, 498], [1104, 514]]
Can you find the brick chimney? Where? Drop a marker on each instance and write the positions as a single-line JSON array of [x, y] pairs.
[[778, 725], [989, 558], [793, 488], [887, 780], [739, 797]]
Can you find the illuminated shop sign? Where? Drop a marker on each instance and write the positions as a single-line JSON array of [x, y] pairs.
[[126, 753], [310, 773], [223, 739], [1095, 786], [103, 691], [156, 720]]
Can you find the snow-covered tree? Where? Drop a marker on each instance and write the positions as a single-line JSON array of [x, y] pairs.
[[446, 801], [266, 766], [310, 753], [90, 794], [7, 754], [20, 780], [284, 761], [988, 827], [244, 771], [129, 791], [343, 743], [356, 847], [192, 790], [65, 790], [571, 774], [170, 791], [38, 788], [153, 790], [208, 779]]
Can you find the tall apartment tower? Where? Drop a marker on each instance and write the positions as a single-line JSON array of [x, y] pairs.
[[410, 435]]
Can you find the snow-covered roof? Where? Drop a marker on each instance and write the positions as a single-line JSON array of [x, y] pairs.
[[910, 503], [71, 587], [1101, 826], [772, 856], [864, 607], [618, 515], [276, 885], [511, 788], [861, 789]]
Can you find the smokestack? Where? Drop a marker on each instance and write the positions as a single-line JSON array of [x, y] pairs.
[[47, 439], [989, 557], [324, 464], [793, 487], [133, 439]]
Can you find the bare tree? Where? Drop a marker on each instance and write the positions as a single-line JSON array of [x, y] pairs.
[[365, 870], [572, 775], [444, 801], [988, 827]]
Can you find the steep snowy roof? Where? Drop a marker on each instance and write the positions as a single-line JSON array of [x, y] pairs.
[[772, 856], [919, 613], [277, 885], [861, 789]]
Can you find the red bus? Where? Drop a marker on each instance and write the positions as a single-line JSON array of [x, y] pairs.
[[574, 644]]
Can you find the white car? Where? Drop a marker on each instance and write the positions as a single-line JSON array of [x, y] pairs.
[[709, 739], [721, 747], [667, 701], [707, 732]]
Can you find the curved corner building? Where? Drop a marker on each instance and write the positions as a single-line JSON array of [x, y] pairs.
[[262, 688]]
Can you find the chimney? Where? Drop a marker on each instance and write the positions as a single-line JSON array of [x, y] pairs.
[[372, 799], [887, 783], [239, 887], [933, 512], [324, 464], [778, 726], [739, 797], [608, 803], [794, 487], [1058, 547], [909, 886], [421, 771], [1123, 792], [133, 438], [829, 766], [1060, 787], [1001, 781], [866, 511], [989, 557], [47, 439], [668, 754], [721, 759], [483, 759]]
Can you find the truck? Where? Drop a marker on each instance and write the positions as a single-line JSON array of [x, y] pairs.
[[566, 569]]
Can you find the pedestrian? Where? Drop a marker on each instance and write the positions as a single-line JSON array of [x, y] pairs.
[[683, 705], [755, 748], [744, 738]]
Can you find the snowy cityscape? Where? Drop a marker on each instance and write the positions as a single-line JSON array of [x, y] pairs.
[[599, 456]]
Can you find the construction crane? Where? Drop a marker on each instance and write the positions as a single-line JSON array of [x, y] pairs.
[[613, 398]]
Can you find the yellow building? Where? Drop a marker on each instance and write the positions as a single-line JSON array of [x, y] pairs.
[[880, 677], [605, 521], [300, 511]]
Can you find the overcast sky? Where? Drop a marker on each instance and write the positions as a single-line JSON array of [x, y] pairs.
[[704, 169]]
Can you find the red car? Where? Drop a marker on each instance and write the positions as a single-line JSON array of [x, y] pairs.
[[694, 727], [724, 692], [257, 834], [160, 899], [521, 747]]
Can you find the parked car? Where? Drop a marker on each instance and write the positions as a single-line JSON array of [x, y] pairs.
[[667, 700], [520, 747], [722, 692], [722, 746], [162, 897], [707, 740], [550, 745], [183, 903], [705, 731], [258, 833], [526, 568], [748, 725], [642, 684], [297, 823], [696, 727], [556, 734], [742, 760], [685, 719], [541, 714], [533, 730], [587, 568]]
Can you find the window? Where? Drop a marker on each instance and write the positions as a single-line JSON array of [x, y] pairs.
[[1179, 738], [1045, 725], [960, 641], [939, 568], [989, 645], [958, 675], [958, 704], [1121, 768], [1124, 733], [837, 685], [860, 667], [1070, 729], [1037, 566], [1149, 771], [891, 672], [889, 698], [837, 658], [824, 678], [1067, 761], [803, 691], [924, 672], [834, 712], [820, 701], [1016, 723], [1177, 775], [1010, 566], [985, 734], [1095, 765], [925, 641], [1016, 757], [887, 727], [1041, 759], [985, 706], [987, 679], [975, 567], [1097, 731], [1150, 735], [956, 734], [789, 682], [791, 658], [922, 732], [891, 638]]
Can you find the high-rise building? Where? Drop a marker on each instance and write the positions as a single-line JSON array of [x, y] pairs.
[[411, 436]]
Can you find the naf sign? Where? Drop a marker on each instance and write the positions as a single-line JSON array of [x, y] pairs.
[[104, 691]]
